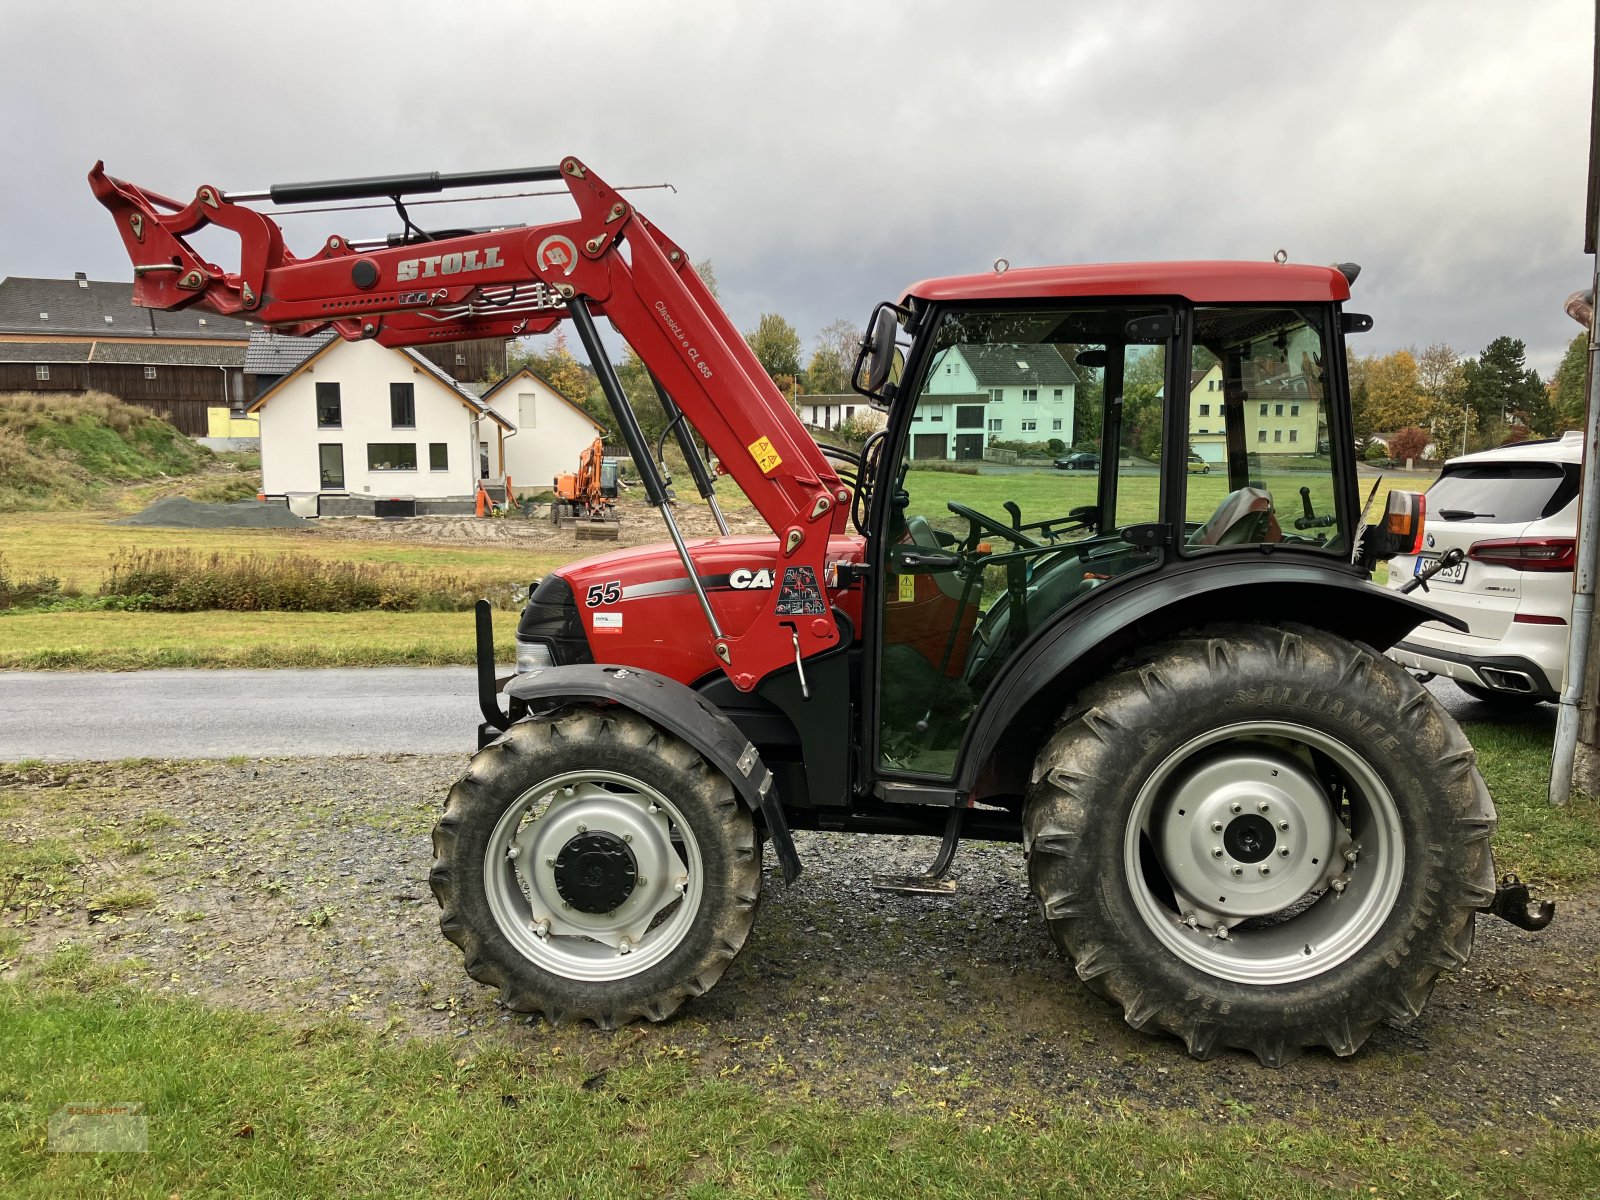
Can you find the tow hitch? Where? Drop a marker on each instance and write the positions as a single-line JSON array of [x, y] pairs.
[[1513, 903]]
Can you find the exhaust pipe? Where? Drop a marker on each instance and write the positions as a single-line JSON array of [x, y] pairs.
[[1508, 681]]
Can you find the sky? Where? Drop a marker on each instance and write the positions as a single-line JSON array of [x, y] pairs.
[[827, 154]]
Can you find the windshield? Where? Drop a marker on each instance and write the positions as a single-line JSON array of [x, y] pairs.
[[1511, 492]]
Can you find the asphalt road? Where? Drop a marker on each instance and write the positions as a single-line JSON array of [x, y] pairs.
[[64, 715], [59, 716]]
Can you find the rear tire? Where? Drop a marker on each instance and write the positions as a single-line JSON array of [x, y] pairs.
[[593, 867], [1220, 784]]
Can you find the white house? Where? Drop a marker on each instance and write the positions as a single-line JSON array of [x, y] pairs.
[[978, 392], [357, 428], [550, 431], [829, 411]]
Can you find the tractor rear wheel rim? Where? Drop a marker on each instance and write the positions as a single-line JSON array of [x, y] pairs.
[[1239, 863], [576, 842]]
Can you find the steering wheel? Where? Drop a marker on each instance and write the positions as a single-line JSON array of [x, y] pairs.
[[980, 520]]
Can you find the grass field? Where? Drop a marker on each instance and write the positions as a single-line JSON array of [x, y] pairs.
[[241, 1106], [131, 641]]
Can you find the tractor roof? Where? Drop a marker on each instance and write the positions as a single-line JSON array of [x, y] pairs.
[[1201, 282]]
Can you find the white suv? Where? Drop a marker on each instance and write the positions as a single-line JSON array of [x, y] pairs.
[[1514, 512]]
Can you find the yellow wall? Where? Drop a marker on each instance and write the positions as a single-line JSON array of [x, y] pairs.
[[221, 424]]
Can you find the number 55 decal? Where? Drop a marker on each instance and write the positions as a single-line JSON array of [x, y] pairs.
[[603, 593]]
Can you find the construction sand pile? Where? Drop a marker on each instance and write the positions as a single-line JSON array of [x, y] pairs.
[[183, 513]]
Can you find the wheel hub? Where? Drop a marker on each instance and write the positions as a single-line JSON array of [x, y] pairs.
[[595, 872], [1245, 833]]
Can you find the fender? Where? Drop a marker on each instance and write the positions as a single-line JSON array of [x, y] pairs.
[[681, 710], [1028, 697]]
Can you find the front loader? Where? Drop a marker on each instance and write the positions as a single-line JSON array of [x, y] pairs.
[[1244, 825]]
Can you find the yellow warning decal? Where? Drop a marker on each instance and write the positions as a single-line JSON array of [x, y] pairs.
[[908, 589], [766, 457]]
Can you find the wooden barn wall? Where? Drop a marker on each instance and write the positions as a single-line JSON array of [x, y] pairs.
[[468, 361], [180, 395]]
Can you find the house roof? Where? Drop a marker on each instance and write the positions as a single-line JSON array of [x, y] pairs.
[[148, 353], [274, 353], [1016, 366], [467, 399], [92, 308], [487, 396]]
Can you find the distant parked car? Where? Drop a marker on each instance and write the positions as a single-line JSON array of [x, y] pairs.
[[1514, 512], [1081, 460], [1198, 465]]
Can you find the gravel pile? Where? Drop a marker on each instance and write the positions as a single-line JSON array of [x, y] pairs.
[[180, 512], [299, 887]]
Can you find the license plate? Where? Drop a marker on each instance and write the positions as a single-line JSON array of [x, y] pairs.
[[1455, 574]]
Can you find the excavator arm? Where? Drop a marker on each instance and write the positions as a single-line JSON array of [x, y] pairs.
[[518, 281]]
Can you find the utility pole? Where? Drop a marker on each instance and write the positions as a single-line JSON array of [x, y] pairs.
[[1575, 760]]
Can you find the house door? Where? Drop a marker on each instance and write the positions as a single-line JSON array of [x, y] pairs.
[[969, 446], [930, 445], [331, 458], [483, 460]]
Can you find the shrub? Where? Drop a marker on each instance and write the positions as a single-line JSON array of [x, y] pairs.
[[26, 593], [1409, 442], [1376, 453], [181, 581]]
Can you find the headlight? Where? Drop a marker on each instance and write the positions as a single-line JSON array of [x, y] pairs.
[[533, 654]]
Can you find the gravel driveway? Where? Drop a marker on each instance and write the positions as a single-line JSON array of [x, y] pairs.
[[298, 887]]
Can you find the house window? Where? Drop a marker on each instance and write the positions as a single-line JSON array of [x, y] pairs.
[[996, 395], [995, 424], [1277, 435], [1261, 434], [1055, 425], [149, 372], [936, 416], [1057, 396], [328, 406], [915, 417], [1279, 410], [41, 372], [1205, 410], [1263, 410], [391, 456], [331, 457], [438, 456], [969, 417], [1030, 395], [1030, 426], [1294, 410], [403, 405], [1294, 435]]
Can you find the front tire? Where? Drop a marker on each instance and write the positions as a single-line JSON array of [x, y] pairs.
[[1261, 838], [593, 867]]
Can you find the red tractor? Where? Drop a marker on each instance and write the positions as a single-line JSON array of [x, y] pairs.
[[1243, 824]]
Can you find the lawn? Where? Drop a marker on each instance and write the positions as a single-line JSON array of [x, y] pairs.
[[130, 641], [239, 1105]]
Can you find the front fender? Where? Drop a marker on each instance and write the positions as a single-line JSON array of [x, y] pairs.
[[680, 710], [1026, 700]]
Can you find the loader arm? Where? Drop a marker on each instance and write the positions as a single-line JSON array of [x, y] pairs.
[[513, 282]]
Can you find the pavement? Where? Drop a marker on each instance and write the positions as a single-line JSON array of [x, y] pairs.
[[59, 716]]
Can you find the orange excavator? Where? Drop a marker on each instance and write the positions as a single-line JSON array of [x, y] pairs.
[[588, 496]]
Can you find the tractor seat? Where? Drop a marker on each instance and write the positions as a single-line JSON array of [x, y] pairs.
[[1245, 517]]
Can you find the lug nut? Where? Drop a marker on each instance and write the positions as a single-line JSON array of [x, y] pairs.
[[1216, 827], [1264, 806], [1283, 852], [583, 829], [1238, 870], [1236, 807], [1216, 852], [549, 862], [1283, 825], [513, 851], [1266, 870], [1350, 856], [1337, 885]]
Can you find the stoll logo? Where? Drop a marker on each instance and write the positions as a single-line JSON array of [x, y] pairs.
[[447, 264]]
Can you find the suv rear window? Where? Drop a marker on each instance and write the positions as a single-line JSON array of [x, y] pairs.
[[1509, 492]]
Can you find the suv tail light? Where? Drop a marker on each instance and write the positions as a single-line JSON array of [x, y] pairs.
[[1528, 554]]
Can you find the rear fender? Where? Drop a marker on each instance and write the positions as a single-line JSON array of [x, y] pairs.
[[1027, 700], [679, 710]]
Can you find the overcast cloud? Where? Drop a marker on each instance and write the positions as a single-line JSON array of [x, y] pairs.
[[827, 154]]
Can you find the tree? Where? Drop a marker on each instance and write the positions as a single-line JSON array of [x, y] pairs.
[[1453, 425], [776, 345], [1439, 375], [1499, 384], [1570, 397], [708, 276], [1408, 443], [1141, 404], [1394, 392], [1360, 418], [833, 358]]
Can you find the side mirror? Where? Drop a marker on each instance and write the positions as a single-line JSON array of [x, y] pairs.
[[880, 362], [1399, 531]]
